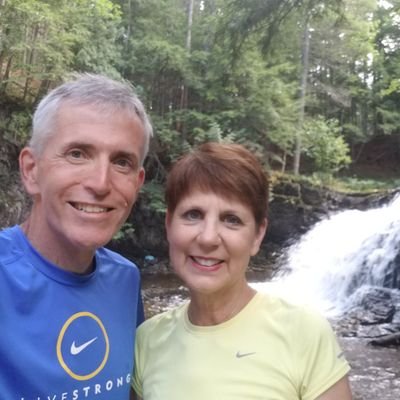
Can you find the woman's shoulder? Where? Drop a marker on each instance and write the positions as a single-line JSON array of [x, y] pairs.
[[163, 321], [300, 315]]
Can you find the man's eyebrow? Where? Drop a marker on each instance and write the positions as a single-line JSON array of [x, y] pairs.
[[126, 154], [90, 146], [78, 144]]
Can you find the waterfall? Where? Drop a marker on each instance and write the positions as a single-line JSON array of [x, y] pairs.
[[340, 257]]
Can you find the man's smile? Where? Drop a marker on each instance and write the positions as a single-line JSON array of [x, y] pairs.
[[90, 208]]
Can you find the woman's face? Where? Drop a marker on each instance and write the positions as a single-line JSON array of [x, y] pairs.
[[211, 239]]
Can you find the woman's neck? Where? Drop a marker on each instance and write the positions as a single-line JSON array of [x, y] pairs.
[[208, 310]]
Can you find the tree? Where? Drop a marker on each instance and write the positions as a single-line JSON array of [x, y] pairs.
[[325, 146], [386, 70], [43, 40]]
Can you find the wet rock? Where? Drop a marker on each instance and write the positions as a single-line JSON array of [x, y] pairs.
[[392, 280], [391, 339], [375, 315], [378, 330], [377, 307]]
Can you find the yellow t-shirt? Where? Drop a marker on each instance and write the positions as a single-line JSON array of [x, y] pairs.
[[271, 350]]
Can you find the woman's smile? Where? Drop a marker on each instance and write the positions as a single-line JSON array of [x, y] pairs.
[[206, 264]]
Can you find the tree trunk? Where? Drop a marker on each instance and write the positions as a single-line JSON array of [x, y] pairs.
[[7, 74], [184, 91], [303, 92], [284, 157], [30, 61], [184, 94]]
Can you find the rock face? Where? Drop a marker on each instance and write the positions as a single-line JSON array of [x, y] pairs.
[[375, 317], [148, 235], [295, 207], [13, 200]]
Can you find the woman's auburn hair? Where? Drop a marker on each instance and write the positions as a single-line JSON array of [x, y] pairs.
[[228, 170]]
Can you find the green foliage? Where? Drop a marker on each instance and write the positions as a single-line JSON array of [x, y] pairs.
[[390, 117], [324, 145], [354, 184], [125, 232], [344, 184], [41, 41], [16, 128], [232, 74], [153, 194], [98, 47]]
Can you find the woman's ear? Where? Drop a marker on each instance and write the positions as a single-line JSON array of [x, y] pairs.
[[167, 222], [28, 170], [259, 237]]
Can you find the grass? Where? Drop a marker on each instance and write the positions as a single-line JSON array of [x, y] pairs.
[[346, 184], [354, 184]]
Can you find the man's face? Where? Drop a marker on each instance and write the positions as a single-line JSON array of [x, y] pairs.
[[85, 181]]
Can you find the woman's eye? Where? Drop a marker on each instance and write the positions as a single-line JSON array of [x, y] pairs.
[[192, 215], [232, 220]]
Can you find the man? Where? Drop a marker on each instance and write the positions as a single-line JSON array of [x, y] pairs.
[[69, 307]]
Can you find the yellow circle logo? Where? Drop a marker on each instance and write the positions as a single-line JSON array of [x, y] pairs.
[[75, 350]]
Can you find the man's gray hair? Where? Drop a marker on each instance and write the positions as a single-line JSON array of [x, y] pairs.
[[105, 94]]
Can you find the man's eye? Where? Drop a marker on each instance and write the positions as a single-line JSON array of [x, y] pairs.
[[75, 154], [123, 163]]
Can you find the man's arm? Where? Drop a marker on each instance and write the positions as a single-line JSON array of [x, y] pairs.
[[339, 391]]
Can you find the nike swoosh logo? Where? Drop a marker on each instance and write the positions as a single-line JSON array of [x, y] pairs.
[[240, 355], [77, 349]]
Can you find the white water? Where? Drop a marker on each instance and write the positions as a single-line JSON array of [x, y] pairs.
[[339, 257]]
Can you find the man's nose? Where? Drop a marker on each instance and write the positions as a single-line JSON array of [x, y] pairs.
[[98, 178]]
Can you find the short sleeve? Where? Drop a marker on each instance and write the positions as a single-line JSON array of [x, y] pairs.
[[321, 360], [137, 377]]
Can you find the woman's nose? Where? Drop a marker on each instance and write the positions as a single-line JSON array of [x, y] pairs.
[[209, 234]]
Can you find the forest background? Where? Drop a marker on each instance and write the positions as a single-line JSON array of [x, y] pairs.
[[312, 87]]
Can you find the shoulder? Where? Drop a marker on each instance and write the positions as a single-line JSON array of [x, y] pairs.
[[9, 234], [305, 328], [108, 258], [295, 317], [10, 244], [165, 322]]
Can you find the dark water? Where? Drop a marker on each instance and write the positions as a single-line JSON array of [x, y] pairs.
[[375, 373]]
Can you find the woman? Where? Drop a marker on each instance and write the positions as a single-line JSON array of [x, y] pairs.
[[230, 342]]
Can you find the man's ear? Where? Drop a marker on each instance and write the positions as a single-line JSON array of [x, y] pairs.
[[141, 178], [28, 170]]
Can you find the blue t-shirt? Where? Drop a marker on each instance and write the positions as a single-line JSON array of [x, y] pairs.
[[65, 336]]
